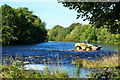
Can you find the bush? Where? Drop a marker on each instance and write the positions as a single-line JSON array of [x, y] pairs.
[[106, 73]]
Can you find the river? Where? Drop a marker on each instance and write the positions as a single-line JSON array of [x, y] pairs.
[[53, 54]]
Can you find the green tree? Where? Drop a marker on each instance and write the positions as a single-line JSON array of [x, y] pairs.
[[98, 13], [8, 24], [0, 25], [61, 35], [56, 33], [77, 32], [52, 35], [21, 26], [74, 34], [71, 27]]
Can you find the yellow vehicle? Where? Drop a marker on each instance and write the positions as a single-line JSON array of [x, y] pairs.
[[86, 47]]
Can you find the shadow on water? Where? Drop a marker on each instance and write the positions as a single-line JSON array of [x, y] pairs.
[[34, 55]]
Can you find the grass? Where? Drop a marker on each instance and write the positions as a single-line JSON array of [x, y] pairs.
[[108, 67], [111, 61], [15, 71]]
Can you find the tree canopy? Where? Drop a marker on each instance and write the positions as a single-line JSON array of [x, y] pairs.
[[21, 26], [98, 13], [77, 32]]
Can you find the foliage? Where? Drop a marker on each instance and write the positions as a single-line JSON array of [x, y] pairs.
[[21, 26], [78, 66], [57, 33], [98, 13], [77, 32], [106, 73]]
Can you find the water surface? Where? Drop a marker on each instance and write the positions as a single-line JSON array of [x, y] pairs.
[[54, 53]]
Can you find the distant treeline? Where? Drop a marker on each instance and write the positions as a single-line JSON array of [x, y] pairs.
[[77, 32], [21, 26]]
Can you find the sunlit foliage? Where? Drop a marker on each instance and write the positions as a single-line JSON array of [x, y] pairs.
[[77, 32], [21, 26], [98, 13]]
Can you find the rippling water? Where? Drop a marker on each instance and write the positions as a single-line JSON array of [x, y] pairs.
[[71, 69], [53, 52]]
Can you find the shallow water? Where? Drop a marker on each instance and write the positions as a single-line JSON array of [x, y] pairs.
[[53, 52], [70, 69]]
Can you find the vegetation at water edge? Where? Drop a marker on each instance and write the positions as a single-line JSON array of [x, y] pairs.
[[77, 32], [111, 61], [107, 67], [15, 71], [104, 23], [21, 26]]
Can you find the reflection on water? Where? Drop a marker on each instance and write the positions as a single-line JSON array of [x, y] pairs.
[[71, 69], [54, 52]]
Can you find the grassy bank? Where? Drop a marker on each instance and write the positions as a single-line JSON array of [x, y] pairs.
[[111, 61], [103, 62], [107, 67]]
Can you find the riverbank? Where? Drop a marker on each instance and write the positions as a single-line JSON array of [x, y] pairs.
[[107, 61], [107, 67]]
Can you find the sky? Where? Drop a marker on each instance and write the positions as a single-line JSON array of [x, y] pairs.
[[49, 11]]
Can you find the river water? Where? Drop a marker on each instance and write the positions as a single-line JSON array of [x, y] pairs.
[[54, 54]]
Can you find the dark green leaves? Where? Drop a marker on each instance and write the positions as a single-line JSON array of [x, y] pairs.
[[21, 26], [98, 13]]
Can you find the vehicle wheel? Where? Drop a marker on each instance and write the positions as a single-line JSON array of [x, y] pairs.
[[78, 48], [87, 49]]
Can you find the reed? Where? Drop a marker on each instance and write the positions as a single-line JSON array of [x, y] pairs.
[[107, 61], [16, 69]]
